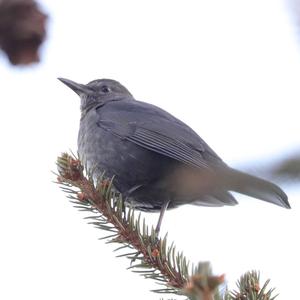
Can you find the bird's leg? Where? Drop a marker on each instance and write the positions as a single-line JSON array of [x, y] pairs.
[[157, 229], [161, 215], [123, 208]]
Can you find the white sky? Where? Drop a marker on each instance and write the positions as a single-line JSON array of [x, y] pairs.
[[230, 69]]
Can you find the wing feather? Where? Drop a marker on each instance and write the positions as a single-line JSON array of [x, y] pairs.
[[167, 146], [154, 129]]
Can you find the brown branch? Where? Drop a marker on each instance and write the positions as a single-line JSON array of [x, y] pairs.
[[162, 263], [149, 250], [166, 265]]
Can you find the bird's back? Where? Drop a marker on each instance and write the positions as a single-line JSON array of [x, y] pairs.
[[104, 143]]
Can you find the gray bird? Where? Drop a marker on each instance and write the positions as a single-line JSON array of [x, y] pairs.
[[158, 162]]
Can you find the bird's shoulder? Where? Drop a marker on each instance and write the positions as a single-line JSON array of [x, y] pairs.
[[135, 114], [129, 117], [134, 110]]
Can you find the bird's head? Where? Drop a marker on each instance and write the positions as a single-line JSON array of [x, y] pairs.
[[97, 92]]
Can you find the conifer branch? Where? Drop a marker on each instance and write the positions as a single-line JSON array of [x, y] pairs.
[[249, 288], [150, 256]]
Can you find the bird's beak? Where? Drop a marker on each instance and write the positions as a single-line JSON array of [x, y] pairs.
[[76, 87]]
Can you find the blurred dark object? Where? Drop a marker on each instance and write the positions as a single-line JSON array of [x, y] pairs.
[[290, 167], [22, 30]]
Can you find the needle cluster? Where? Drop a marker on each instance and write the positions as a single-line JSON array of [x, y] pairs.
[[150, 256]]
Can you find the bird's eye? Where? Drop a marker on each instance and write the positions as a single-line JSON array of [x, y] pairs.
[[105, 89]]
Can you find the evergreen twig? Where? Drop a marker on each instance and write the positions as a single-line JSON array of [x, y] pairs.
[[150, 256], [249, 288]]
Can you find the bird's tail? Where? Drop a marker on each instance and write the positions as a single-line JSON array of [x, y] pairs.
[[255, 187]]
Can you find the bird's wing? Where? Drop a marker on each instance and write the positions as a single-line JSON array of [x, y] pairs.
[[154, 129]]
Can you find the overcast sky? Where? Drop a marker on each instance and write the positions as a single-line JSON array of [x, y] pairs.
[[230, 69]]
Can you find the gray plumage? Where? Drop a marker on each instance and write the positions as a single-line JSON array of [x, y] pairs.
[[155, 157]]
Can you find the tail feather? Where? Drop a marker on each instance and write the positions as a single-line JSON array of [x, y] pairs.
[[256, 187], [220, 198]]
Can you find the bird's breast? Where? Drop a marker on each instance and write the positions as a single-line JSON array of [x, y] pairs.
[[130, 164]]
